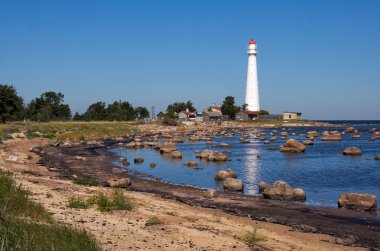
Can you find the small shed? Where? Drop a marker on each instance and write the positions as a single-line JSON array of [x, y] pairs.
[[246, 115], [291, 115]]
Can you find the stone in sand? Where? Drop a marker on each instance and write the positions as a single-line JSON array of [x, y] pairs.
[[210, 193], [352, 151], [121, 183], [279, 190], [233, 184], [357, 201]]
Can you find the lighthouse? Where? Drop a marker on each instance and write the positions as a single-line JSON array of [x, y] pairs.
[[252, 89]]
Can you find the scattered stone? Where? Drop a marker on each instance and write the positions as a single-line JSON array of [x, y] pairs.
[[356, 136], [357, 201], [138, 160], [299, 194], [352, 151], [279, 190], [224, 145], [176, 155], [350, 130], [312, 134], [347, 240], [224, 174], [332, 137], [233, 184], [121, 183], [152, 165], [190, 163], [210, 193], [377, 157], [308, 142], [293, 146], [262, 186]]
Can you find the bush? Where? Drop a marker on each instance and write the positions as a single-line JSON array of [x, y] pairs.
[[252, 238], [153, 221], [76, 202], [85, 181], [114, 201]]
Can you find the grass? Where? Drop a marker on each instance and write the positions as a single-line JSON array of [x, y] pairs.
[[76, 202], [109, 202], [26, 225], [154, 220], [68, 129], [85, 181], [251, 237]]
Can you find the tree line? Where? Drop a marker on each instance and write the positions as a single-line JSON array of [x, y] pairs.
[[50, 106]]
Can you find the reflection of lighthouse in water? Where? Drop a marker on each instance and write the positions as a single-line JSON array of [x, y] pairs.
[[251, 170]]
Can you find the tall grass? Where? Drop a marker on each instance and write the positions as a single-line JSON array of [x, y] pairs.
[[68, 129], [26, 225]]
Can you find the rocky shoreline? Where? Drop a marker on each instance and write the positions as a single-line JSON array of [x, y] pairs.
[[93, 160]]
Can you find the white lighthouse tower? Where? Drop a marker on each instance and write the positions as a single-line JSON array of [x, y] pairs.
[[252, 91]]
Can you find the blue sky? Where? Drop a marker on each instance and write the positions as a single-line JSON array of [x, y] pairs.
[[318, 57]]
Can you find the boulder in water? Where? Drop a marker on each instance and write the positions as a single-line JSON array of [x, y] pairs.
[[224, 174], [299, 194], [176, 155], [332, 137], [352, 151], [262, 186], [138, 160]]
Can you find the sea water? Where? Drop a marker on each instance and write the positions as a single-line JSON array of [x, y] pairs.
[[322, 171]]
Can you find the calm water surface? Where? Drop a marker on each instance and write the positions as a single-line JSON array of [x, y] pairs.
[[322, 171]]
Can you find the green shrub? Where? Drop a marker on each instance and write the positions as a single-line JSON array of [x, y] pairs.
[[85, 181], [252, 238], [76, 202], [31, 134], [153, 221], [110, 202]]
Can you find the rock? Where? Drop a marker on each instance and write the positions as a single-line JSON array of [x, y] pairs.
[[347, 240], [190, 163], [292, 143], [356, 136], [56, 144], [224, 145], [122, 159], [220, 157], [205, 153], [224, 174], [168, 148], [14, 159], [210, 193], [273, 139], [332, 137], [124, 182], [262, 186], [233, 184], [377, 157], [308, 142], [138, 160], [357, 201], [350, 130], [152, 165], [373, 138], [299, 194], [176, 155], [352, 151], [279, 190], [312, 134]]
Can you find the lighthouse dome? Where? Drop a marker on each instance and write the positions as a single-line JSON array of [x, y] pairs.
[[252, 41]]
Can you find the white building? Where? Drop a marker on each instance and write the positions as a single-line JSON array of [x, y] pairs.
[[252, 92]]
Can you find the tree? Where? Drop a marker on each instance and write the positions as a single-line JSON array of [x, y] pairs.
[[49, 106], [229, 108], [177, 107], [142, 112], [244, 107], [96, 111], [11, 105], [120, 111], [263, 112]]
